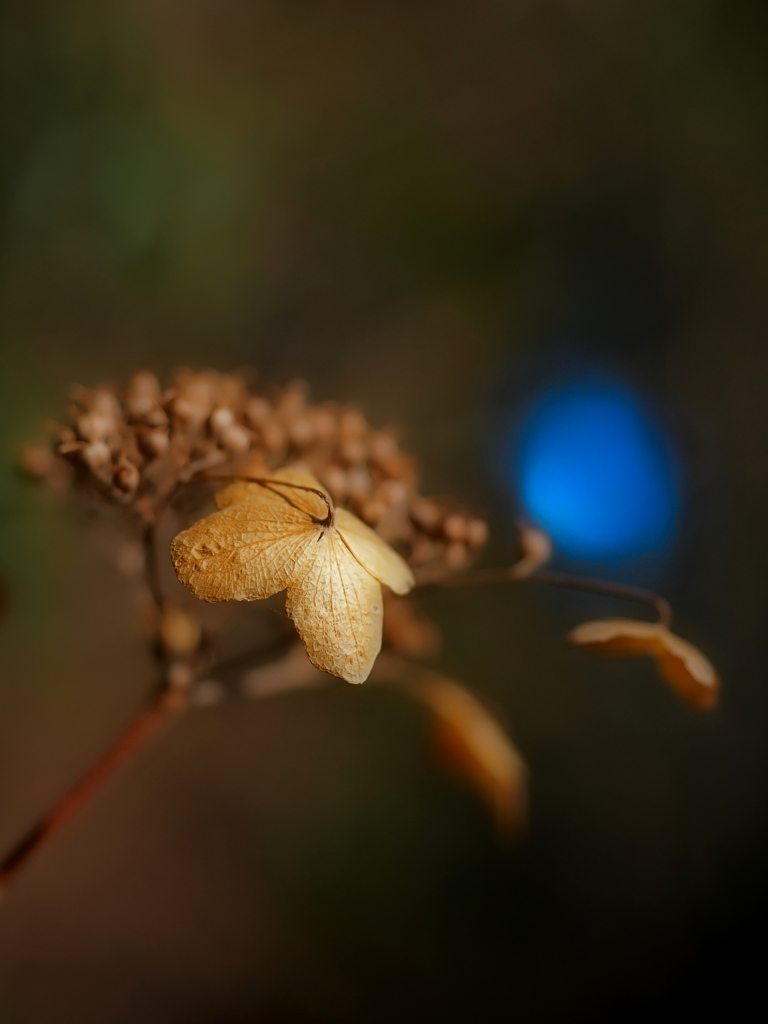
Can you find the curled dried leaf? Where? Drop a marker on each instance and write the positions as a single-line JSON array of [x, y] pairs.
[[681, 664], [472, 741], [284, 534]]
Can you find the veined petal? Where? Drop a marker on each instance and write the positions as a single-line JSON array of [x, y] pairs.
[[373, 553], [296, 479], [337, 608], [244, 552]]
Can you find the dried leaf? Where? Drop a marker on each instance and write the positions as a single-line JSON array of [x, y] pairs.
[[683, 666], [473, 742], [280, 536]]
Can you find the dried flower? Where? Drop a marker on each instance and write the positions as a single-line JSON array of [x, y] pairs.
[[285, 534]]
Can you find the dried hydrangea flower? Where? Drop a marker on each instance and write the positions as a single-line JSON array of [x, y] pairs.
[[285, 534]]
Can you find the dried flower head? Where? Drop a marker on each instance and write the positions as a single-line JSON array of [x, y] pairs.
[[284, 533]]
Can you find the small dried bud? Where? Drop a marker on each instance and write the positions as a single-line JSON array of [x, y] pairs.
[[302, 431], [323, 423], [180, 633], [153, 443], [273, 437], [95, 426], [392, 492], [477, 533], [258, 411], [143, 395], [358, 483], [354, 452], [425, 514], [221, 419], [97, 456], [455, 527], [423, 551], [126, 475], [292, 400], [236, 439], [372, 511], [352, 425]]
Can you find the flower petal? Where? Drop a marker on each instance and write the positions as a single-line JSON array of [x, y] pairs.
[[295, 477], [473, 742], [244, 552], [337, 608], [681, 664], [374, 554]]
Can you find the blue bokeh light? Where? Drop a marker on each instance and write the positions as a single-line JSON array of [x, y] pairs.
[[597, 472]]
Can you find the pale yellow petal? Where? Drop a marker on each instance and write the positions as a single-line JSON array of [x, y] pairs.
[[295, 477], [244, 552], [337, 608], [374, 554]]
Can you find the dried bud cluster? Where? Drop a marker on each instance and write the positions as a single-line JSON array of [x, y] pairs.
[[136, 445]]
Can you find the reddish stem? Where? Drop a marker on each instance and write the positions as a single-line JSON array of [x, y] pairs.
[[141, 729]]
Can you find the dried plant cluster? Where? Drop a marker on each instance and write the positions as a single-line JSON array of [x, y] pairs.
[[135, 446], [313, 501]]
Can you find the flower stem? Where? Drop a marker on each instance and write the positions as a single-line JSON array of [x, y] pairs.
[[166, 705]]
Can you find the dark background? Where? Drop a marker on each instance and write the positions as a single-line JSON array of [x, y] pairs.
[[409, 204]]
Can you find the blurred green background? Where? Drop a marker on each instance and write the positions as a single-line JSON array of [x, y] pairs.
[[399, 202]]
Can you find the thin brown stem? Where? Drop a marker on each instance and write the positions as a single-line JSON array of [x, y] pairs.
[[165, 706], [268, 483], [510, 574]]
